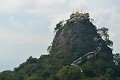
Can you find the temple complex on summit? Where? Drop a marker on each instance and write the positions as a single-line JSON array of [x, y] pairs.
[[80, 15]]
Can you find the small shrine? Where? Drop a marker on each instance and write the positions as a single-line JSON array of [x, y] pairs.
[[81, 15]]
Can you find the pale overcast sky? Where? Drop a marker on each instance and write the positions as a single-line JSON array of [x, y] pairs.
[[27, 26]]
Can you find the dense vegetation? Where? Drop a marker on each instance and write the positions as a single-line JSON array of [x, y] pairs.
[[72, 40]]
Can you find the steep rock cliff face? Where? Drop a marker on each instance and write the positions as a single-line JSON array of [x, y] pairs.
[[75, 37]]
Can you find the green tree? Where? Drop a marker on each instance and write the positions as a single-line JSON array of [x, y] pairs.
[[35, 78], [31, 60], [7, 75], [88, 69], [21, 75], [49, 48], [103, 78], [59, 25], [69, 73], [105, 36], [45, 74], [116, 58], [110, 72], [30, 69], [103, 32]]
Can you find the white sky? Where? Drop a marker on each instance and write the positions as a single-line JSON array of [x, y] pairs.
[[27, 26]]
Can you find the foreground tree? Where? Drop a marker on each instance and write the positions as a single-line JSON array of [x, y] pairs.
[[69, 73], [35, 78], [105, 36], [7, 75]]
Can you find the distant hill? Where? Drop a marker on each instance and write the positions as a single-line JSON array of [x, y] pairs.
[[79, 51]]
